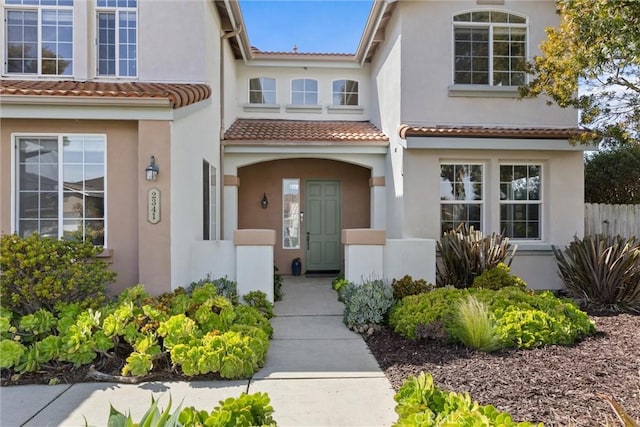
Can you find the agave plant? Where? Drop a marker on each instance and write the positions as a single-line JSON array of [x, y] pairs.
[[465, 253], [602, 270]]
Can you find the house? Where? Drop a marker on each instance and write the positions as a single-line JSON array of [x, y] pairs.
[[188, 152]]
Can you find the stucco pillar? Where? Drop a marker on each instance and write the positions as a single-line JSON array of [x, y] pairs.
[[154, 237], [378, 202], [363, 254], [230, 209], [254, 261]]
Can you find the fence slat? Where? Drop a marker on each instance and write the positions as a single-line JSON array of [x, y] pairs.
[[623, 220]]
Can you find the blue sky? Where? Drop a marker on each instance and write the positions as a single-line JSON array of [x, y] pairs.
[[320, 26]]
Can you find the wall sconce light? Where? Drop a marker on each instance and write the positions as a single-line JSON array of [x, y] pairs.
[[152, 170], [264, 202]]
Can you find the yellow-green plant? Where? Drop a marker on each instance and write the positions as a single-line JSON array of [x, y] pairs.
[[408, 286], [474, 325], [498, 277]]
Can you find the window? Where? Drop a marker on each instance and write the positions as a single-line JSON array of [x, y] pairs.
[[39, 35], [60, 187], [291, 213], [345, 92], [117, 37], [521, 201], [208, 201], [304, 92], [490, 48], [461, 195], [262, 90]]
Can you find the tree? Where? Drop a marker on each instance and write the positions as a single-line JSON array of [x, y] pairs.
[[613, 176], [597, 45]]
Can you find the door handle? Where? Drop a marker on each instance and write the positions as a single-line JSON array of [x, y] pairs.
[[308, 239]]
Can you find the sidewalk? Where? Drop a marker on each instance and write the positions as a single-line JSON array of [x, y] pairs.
[[317, 373]]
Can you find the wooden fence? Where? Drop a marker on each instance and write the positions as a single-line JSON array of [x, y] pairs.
[[623, 220]]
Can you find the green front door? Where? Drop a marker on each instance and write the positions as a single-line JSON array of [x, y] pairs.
[[323, 226]]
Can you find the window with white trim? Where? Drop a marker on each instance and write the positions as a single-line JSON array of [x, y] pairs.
[[304, 92], [461, 195], [117, 26], [39, 37], [291, 213], [521, 201], [490, 48], [60, 186], [208, 201], [345, 92], [262, 90]]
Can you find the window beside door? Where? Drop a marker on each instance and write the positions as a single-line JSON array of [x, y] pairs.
[[291, 213]]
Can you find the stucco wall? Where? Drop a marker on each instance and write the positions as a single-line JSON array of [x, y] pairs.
[[123, 176], [255, 180]]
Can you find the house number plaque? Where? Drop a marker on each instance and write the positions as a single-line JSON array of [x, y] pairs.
[[153, 206]]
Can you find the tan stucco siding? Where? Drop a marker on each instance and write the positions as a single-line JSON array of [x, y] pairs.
[[123, 175], [261, 178]]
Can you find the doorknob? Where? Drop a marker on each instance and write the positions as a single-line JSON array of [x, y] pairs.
[[308, 238]]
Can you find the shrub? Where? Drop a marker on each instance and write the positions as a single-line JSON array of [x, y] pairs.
[[602, 270], [38, 272], [224, 287], [522, 319], [474, 326], [466, 253], [366, 304], [278, 293], [407, 286], [420, 403], [259, 301], [498, 277]]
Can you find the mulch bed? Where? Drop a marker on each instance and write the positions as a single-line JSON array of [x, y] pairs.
[[556, 385]]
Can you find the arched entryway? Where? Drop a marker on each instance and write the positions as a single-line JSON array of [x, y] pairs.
[[308, 202]]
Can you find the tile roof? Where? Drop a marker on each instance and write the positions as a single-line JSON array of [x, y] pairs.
[[178, 94], [252, 130], [490, 132]]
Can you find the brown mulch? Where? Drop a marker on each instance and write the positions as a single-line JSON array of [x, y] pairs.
[[556, 385]]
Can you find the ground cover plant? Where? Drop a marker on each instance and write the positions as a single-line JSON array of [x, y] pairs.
[[176, 334]]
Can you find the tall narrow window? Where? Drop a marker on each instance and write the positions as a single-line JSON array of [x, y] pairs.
[[490, 48], [39, 39], [461, 195], [345, 92], [208, 201], [291, 213], [304, 92], [61, 187], [521, 201], [117, 36], [262, 90]]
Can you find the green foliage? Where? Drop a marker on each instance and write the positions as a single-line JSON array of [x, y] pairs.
[[595, 45], [10, 353], [223, 286], [39, 272], [407, 286], [258, 300], [498, 277], [466, 253], [613, 176], [245, 410], [602, 270], [420, 403], [367, 304], [474, 326], [278, 293], [522, 319]]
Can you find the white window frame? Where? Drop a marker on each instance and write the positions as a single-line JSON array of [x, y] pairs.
[[490, 26], [116, 10], [262, 79], [212, 192], [481, 202], [334, 93], [296, 216], [38, 8], [305, 93], [539, 202], [15, 137]]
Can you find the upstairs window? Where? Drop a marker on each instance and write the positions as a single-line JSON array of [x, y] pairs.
[[117, 25], [262, 90], [345, 92], [39, 37], [490, 48], [304, 92]]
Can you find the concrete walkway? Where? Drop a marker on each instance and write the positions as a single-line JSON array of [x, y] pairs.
[[317, 373]]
